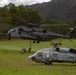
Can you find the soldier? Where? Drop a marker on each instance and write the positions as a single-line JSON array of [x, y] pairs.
[[29, 50], [23, 50]]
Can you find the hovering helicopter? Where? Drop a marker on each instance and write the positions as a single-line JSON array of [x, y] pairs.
[[37, 34], [54, 54]]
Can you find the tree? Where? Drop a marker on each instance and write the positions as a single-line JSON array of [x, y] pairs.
[[24, 15], [33, 16]]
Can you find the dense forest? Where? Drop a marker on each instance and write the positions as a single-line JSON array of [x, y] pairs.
[[59, 10]]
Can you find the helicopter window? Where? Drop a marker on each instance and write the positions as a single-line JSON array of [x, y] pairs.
[[39, 54], [21, 29], [72, 51]]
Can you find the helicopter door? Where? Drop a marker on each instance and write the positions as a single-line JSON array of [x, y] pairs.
[[54, 56], [47, 56]]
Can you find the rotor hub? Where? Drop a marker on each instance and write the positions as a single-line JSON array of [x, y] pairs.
[[56, 44]]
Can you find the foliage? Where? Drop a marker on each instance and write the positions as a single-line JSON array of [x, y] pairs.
[[59, 10], [19, 13], [48, 21]]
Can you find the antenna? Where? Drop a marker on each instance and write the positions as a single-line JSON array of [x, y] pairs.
[[56, 43]]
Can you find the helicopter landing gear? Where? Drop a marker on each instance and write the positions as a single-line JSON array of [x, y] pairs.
[[48, 63], [35, 41], [29, 50], [9, 37]]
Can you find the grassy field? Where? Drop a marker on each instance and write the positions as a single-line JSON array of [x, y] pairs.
[[12, 62]]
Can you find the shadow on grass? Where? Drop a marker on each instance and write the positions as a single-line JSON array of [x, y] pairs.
[[64, 64], [54, 64]]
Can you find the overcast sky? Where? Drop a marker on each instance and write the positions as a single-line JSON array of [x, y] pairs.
[[19, 2]]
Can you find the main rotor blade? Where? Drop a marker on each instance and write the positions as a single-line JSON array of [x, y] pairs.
[[53, 25]]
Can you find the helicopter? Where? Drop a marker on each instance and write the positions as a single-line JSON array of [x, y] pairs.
[[36, 34], [55, 54]]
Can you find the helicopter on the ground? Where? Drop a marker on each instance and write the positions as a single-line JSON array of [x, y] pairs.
[[55, 54], [37, 34]]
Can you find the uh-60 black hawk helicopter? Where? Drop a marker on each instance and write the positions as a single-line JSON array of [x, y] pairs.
[[36, 34]]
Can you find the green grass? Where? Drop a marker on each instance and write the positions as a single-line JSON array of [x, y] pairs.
[[12, 62]]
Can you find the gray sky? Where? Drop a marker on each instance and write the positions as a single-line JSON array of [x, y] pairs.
[[19, 2]]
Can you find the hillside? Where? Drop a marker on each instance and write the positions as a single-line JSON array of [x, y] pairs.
[[60, 10]]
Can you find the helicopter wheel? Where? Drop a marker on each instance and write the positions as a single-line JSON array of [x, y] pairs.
[[35, 42], [51, 63], [48, 63], [9, 38]]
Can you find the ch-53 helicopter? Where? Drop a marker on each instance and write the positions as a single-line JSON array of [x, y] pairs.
[[55, 54], [32, 33]]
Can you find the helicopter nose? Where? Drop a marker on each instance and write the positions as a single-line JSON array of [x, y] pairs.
[[31, 58], [9, 36]]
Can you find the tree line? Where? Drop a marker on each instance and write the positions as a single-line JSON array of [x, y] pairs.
[[14, 13]]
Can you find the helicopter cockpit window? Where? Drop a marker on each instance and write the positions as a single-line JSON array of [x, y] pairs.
[[72, 51], [39, 54]]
